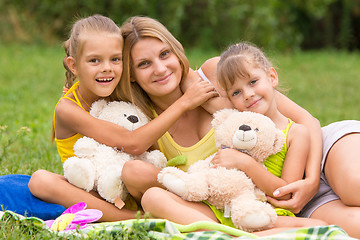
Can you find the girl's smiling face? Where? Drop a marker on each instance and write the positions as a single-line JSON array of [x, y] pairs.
[[99, 65], [156, 67], [255, 93]]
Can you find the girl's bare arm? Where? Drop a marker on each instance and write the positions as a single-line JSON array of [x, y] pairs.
[[72, 119], [209, 69]]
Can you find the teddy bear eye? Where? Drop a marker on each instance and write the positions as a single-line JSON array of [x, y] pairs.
[[256, 129], [125, 115]]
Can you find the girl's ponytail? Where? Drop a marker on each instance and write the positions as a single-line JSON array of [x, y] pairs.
[[70, 77]]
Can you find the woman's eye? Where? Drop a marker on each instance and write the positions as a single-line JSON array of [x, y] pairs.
[[165, 53], [143, 64]]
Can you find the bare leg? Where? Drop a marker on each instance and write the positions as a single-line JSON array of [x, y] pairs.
[[336, 213], [54, 188], [164, 204], [297, 222], [342, 169], [138, 176]]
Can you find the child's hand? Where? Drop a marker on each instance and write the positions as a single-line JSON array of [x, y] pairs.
[[199, 92], [230, 159]]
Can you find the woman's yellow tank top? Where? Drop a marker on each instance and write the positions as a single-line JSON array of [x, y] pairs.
[[65, 146], [201, 150]]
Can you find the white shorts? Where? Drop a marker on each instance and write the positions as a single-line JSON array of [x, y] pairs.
[[331, 134]]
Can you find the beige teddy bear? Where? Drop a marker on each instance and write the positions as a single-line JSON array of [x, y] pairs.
[[97, 166], [231, 190]]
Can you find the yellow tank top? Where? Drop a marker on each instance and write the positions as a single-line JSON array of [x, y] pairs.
[[201, 150], [275, 162], [65, 146]]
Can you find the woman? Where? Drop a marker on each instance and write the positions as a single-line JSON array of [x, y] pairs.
[[154, 68]]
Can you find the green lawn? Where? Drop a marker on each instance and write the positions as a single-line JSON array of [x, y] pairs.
[[31, 79], [325, 83]]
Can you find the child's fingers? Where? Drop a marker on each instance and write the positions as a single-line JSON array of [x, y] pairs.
[[65, 90], [209, 88]]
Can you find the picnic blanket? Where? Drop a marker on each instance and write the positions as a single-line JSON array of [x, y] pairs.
[[160, 229]]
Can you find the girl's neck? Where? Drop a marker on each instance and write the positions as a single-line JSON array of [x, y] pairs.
[[86, 98], [280, 120]]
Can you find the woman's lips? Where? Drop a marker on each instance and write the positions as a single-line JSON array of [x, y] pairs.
[[163, 79]]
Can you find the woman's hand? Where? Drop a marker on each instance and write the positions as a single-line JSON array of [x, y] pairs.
[[302, 191]]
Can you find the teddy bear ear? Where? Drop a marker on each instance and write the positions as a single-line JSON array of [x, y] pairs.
[[221, 116], [279, 141], [96, 107]]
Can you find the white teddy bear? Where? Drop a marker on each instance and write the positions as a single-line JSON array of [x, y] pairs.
[[97, 166], [231, 190]]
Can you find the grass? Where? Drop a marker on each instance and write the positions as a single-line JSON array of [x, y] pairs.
[[31, 79], [325, 83]]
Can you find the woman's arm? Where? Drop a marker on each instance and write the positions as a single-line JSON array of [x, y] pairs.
[[302, 190], [73, 119], [298, 147]]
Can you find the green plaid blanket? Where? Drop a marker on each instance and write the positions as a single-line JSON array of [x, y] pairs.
[[160, 229]]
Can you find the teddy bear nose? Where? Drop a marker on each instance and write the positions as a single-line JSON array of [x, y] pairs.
[[133, 118], [245, 128]]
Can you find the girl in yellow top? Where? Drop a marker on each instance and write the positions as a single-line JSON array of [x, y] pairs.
[[145, 82], [94, 55]]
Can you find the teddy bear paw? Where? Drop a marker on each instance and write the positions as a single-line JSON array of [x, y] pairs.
[[256, 220], [173, 183], [110, 185], [80, 172]]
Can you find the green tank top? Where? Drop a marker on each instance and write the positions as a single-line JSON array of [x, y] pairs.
[[275, 162]]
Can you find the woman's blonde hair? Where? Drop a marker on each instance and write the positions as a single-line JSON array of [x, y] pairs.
[[134, 30], [73, 46], [234, 63]]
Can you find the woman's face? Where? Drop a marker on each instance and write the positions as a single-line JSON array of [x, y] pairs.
[[156, 67]]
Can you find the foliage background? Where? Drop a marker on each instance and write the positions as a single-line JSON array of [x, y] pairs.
[[272, 24], [323, 79]]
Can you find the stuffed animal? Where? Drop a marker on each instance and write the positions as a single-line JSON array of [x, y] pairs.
[[97, 166], [231, 190]]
